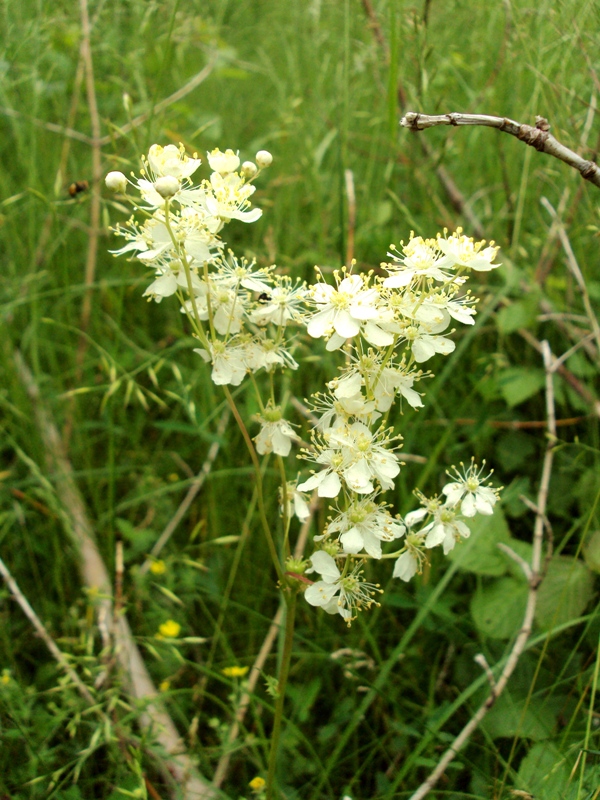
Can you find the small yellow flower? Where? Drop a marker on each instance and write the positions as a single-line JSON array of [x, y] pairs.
[[169, 629], [257, 784], [236, 672], [173, 477], [5, 677], [164, 686], [158, 567]]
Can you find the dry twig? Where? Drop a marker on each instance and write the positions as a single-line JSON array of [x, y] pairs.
[[153, 718], [538, 137], [534, 576]]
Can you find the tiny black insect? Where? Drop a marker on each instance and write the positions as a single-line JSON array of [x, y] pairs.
[[77, 187], [264, 298]]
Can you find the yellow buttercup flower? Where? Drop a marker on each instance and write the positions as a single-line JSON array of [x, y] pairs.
[[169, 629], [235, 672], [257, 784], [158, 567]]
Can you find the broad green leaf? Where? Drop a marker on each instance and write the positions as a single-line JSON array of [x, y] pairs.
[[518, 384], [509, 717], [479, 553], [518, 315], [564, 593], [544, 772], [497, 609]]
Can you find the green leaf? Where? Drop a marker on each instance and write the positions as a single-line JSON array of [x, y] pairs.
[[509, 717], [518, 315], [544, 772], [518, 384], [480, 553], [497, 608], [591, 552], [564, 593]]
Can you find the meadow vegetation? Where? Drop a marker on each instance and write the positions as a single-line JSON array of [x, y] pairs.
[[109, 419]]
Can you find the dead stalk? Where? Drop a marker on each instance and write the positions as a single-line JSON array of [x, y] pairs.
[[153, 719], [534, 579]]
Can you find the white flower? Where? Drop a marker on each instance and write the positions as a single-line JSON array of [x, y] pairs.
[[229, 366], [223, 162], [280, 304], [296, 503], [463, 251], [469, 492], [276, 434], [420, 259], [327, 482], [228, 197], [364, 525], [369, 459], [338, 594], [412, 559], [172, 161], [445, 529], [341, 310], [425, 345]]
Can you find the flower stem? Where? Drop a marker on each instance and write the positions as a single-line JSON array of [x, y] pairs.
[[259, 486], [284, 671]]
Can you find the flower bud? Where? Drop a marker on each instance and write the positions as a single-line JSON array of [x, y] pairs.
[[167, 186], [264, 159], [116, 182], [248, 170]]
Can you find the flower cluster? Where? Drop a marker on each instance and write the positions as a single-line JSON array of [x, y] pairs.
[[389, 324]]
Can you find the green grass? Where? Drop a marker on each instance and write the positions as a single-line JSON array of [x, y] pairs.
[[311, 83]]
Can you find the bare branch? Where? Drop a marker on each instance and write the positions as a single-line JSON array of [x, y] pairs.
[[535, 578], [538, 136]]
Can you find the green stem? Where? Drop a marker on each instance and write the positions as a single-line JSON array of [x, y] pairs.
[[281, 685], [259, 486]]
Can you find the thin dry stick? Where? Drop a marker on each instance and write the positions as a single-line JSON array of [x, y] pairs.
[[184, 90], [558, 366], [43, 634], [351, 197], [538, 136], [70, 133], [254, 674], [153, 719], [534, 575], [195, 487], [574, 269]]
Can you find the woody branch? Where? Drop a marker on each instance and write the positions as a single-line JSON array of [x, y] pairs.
[[537, 136]]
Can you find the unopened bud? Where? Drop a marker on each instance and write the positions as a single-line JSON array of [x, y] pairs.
[[248, 170], [264, 159], [167, 186], [116, 182]]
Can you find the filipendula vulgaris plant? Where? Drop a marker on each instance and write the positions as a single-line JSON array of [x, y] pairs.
[[245, 320]]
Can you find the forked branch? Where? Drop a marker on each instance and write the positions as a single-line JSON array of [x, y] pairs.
[[537, 136]]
